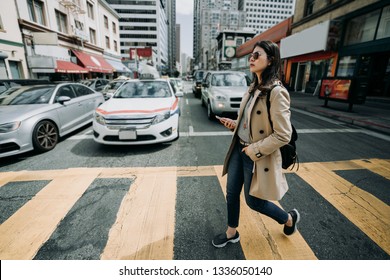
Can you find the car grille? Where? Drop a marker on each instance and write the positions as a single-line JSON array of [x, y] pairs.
[[114, 138], [235, 102], [119, 122]]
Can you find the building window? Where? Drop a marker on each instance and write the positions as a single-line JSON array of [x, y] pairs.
[[384, 24], [346, 66], [1, 25], [309, 7], [35, 10], [115, 45], [106, 22], [90, 10], [62, 23], [114, 27], [107, 42], [92, 36], [362, 28]]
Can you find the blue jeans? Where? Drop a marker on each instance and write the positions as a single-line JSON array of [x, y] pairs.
[[240, 173]]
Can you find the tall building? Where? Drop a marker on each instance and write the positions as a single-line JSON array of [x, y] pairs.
[[261, 15], [143, 25], [210, 18], [170, 8]]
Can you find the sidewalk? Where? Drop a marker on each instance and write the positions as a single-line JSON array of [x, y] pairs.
[[374, 114]]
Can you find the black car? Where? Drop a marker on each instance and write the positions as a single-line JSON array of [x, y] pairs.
[[197, 85]]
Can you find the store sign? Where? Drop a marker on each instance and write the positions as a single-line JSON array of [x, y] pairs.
[[137, 53]]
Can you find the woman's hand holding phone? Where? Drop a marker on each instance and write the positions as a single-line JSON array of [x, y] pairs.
[[228, 123]]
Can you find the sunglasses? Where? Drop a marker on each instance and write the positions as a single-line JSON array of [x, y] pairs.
[[254, 55]]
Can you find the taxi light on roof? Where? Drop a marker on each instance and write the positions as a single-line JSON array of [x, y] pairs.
[[146, 76]]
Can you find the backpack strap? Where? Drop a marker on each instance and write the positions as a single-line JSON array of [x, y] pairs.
[[269, 104]]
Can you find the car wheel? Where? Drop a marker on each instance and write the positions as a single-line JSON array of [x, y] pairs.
[[210, 113], [45, 136]]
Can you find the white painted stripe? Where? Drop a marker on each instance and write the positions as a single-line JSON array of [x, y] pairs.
[[316, 116], [192, 133]]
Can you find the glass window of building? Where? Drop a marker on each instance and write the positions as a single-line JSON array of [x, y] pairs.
[[346, 66], [384, 24], [362, 28], [92, 36], [106, 22], [36, 11], [90, 10], [62, 23]]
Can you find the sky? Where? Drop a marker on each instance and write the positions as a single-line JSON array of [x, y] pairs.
[[184, 17]]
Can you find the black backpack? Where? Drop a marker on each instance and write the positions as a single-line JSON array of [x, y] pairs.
[[288, 151]]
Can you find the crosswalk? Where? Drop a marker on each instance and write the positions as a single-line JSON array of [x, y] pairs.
[[131, 213]]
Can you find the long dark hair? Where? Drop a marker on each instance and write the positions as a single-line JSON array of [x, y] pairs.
[[272, 72]]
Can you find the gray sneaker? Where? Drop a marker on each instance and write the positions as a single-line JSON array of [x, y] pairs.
[[221, 240]]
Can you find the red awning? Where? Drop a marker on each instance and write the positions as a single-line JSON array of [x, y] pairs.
[[94, 63], [69, 67]]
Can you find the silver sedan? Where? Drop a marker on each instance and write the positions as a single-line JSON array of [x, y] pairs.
[[35, 117]]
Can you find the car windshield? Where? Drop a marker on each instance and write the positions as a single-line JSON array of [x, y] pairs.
[[112, 86], [199, 75], [228, 80], [144, 89], [33, 95]]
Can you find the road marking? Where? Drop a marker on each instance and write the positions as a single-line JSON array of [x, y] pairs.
[[192, 133], [367, 212], [315, 116], [144, 228], [145, 224], [27, 229]]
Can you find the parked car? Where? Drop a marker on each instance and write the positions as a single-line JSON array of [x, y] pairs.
[[8, 83], [96, 84], [35, 117], [109, 89], [222, 92], [177, 85], [142, 111], [197, 82]]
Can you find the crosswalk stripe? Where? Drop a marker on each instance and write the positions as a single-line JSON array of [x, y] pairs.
[[144, 228], [367, 212], [24, 232], [145, 223], [262, 238]]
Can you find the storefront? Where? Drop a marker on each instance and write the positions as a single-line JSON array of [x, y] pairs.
[[355, 46], [97, 66]]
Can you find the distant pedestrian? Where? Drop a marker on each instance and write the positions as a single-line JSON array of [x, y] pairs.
[[254, 159]]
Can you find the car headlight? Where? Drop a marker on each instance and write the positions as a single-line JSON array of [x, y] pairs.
[[8, 127], [161, 117], [100, 119]]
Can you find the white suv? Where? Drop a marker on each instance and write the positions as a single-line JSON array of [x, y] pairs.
[[222, 92]]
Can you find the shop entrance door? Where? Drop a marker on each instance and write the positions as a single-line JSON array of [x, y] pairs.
[[300, 81], [379, 84]]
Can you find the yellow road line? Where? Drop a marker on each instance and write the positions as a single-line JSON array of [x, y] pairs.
[[367, 212], [23, 233], [145, 223], [262, 238], [379, 166]]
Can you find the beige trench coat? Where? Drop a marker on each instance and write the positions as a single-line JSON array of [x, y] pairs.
[[268, 181]]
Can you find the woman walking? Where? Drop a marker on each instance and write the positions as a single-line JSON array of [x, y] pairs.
[[254, 159]]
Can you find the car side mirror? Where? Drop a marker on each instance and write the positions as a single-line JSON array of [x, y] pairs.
[[63, 99], [179, 94]]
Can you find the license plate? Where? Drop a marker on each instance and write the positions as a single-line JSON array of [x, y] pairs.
[[127, 135]]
